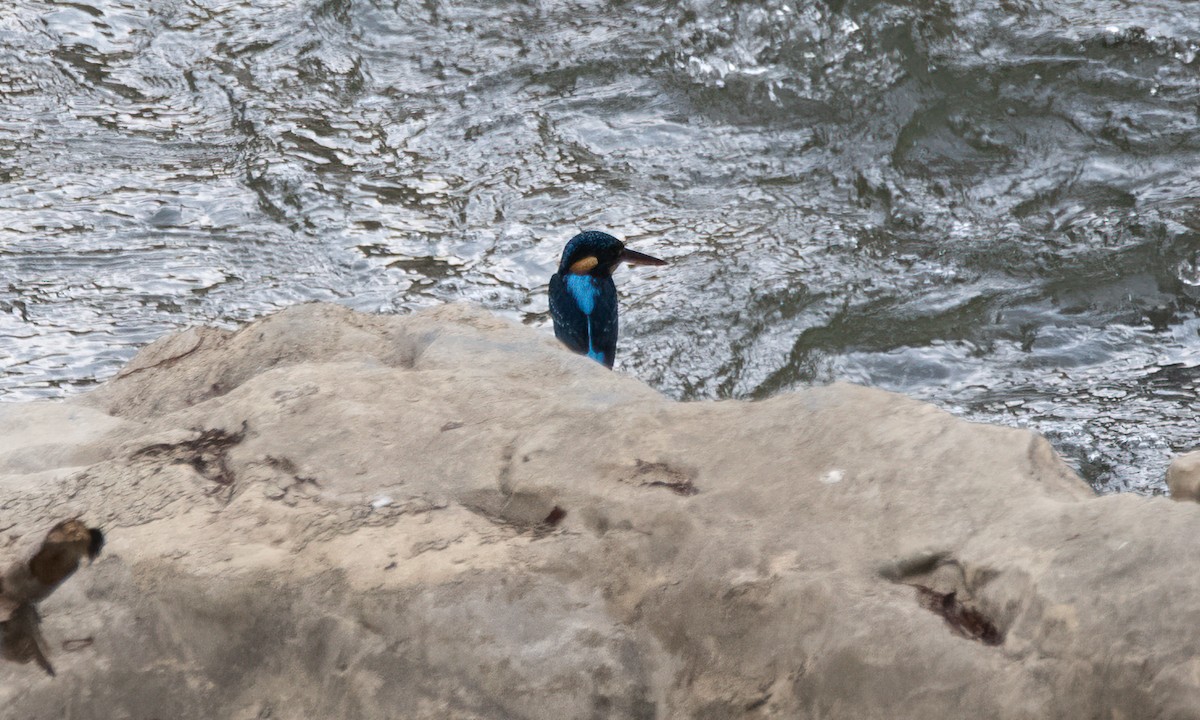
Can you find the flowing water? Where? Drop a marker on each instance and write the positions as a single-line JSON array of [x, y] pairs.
[[991, 206]]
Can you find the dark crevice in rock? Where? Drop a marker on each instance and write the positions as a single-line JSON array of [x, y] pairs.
[[555, 517], [942, 586], [684, 487], [506, 467], [287, 467], [904, 569], [77, 644], [524, 511], [965, 621]]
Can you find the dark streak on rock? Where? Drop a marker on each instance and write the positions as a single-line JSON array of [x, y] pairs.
[[208, 453], [685, 487], [670, 478], [164, 363], [451, 426], [963, 620], [77, 644]]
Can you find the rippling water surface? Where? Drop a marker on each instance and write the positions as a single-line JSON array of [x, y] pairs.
[[989, 206]]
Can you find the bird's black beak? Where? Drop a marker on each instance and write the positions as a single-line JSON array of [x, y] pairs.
[[633, 257]]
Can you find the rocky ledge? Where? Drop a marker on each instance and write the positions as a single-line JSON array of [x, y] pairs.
[[329, 514]]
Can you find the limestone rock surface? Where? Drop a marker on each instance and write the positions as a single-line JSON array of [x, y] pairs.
[[1183, 477], [334, 515]]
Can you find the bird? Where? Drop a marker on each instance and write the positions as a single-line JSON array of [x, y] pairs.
[[583, 296]]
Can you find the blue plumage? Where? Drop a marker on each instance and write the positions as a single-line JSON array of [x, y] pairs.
[[583, 296], [584, 290]]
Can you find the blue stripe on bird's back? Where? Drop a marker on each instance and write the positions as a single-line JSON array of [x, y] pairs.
[[585, 291]]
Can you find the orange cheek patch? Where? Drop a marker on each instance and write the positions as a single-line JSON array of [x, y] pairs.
[[584, 266]]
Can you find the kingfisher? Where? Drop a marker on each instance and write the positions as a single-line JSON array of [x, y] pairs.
[[583, 296]]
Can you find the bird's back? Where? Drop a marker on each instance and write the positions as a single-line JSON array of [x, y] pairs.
[[584, 309]]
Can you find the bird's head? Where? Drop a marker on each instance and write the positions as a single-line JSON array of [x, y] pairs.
[[597, 253]]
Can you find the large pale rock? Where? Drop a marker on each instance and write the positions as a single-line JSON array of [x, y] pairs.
[[1183, 477], [329, 514]]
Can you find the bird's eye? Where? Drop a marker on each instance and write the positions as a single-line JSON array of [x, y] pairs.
[[584, 266]]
